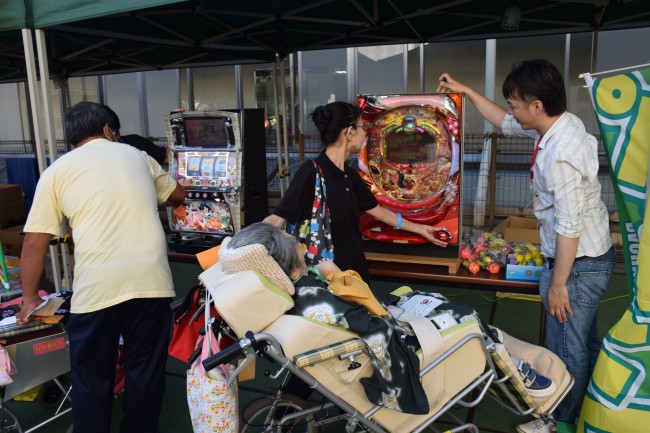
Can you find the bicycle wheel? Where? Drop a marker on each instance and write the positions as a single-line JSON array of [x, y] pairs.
[[49, 394], [257, 418]]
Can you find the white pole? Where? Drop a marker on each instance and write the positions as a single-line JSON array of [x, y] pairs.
[[285, 133], [483, 182], [48, 119], [32, 84], [277, 126]]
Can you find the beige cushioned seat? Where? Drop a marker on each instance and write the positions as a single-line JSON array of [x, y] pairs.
[[541, 359], [460, 369]]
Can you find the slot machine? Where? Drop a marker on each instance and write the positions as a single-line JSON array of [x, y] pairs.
[[206, 161], [412, 162]]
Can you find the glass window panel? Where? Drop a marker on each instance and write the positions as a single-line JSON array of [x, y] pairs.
[[121, 92], [465, 61], [324, 80], [83, 89], [381, 69], [622, 48], [184, 89], [578, 99], [162, 97], [11, 127], [255, 95], [413, 69], [214, 88]]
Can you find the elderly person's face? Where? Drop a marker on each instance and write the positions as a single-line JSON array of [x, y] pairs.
[[302, 267]]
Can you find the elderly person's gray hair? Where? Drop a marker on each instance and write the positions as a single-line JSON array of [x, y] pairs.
[[280, 245]]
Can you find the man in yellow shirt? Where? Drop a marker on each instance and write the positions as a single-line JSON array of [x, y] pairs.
[[123, 286]]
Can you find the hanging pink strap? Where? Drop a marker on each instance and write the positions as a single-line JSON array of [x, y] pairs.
[[210, 344]]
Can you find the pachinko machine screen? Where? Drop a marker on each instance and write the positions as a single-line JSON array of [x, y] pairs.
[[202, 212], [206, 169], [411, 161]]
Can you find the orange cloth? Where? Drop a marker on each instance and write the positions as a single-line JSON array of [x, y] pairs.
[[209, 257], [350, 286]]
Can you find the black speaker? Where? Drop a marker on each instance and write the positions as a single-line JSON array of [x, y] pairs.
[[255, 199]]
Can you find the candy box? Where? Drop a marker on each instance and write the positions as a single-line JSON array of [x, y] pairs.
[[522, 272]]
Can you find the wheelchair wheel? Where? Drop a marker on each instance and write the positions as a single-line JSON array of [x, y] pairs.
[[257, 417]]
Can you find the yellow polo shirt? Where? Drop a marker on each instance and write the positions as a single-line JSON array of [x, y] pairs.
[[110, 193]]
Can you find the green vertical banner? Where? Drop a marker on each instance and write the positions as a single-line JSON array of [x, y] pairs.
[[618, 397]]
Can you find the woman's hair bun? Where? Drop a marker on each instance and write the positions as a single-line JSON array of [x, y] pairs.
[[321, 117]]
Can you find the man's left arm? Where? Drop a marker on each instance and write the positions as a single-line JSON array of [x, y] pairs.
[[564, 180], [558, 294], [177, 196], [168, 190], [32, 260]]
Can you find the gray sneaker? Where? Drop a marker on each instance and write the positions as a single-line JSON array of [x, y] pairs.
[[537, 426]]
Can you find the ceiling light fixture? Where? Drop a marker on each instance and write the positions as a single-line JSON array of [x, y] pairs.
[[511, 18]]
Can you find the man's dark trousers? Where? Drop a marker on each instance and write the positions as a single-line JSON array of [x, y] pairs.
[[144, 325]]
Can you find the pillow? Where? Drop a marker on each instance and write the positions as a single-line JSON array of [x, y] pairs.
[[254, 257], [246, 300]]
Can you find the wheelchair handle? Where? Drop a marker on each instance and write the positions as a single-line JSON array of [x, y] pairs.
[[224, 356], [230, 353]]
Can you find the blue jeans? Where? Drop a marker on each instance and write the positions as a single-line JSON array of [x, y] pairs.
[[576, 342]]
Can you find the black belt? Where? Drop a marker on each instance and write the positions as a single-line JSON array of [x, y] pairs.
[[551, 260]]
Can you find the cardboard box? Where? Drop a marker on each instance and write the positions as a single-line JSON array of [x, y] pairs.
[[13, 271], [12, 240], [12, 205], [521, 229], [522, 272]]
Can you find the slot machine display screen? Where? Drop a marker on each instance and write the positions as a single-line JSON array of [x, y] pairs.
[[206, 131], [206, 169]]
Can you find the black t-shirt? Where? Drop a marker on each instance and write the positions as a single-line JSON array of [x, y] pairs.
[[139, 142], [347, 197]]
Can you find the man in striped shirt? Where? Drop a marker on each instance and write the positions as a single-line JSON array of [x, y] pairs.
[[574, 222]]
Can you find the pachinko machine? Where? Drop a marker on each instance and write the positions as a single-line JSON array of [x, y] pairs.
[[412, 162]]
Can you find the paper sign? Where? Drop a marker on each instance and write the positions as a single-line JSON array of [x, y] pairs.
[[421, 305]]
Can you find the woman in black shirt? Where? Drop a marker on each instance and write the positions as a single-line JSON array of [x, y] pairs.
[[342, 133]]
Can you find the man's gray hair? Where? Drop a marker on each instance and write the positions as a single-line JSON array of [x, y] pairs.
[[280, 244]]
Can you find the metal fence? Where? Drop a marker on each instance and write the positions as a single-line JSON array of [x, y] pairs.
[[508, 189]]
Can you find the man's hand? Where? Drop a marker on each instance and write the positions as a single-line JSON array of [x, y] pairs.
[[27, 306], [558, 303], [448, 84]]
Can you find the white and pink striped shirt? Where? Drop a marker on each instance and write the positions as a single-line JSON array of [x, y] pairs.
[[566, 190]]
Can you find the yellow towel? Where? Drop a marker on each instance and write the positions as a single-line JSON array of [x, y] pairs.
[[350, 286]]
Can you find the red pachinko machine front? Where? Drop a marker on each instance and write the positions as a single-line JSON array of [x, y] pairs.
[[412, 161]]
